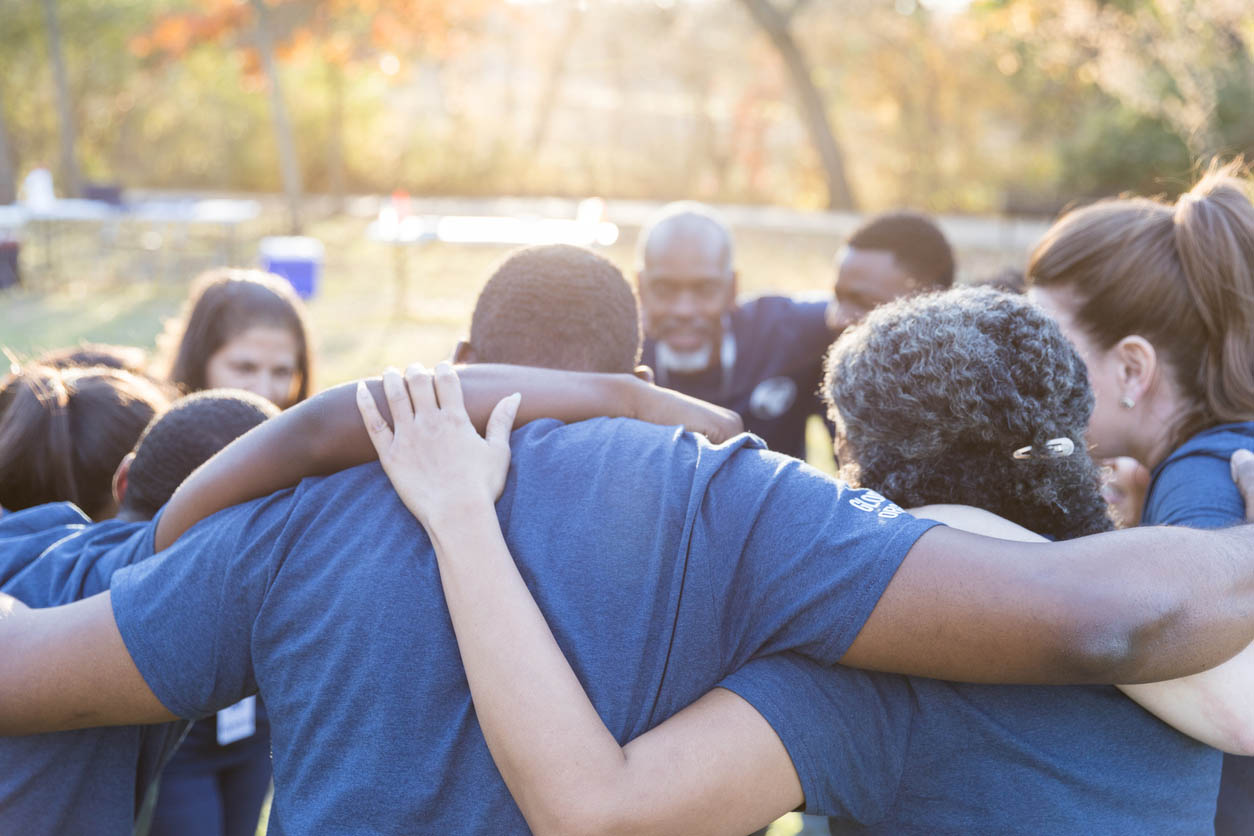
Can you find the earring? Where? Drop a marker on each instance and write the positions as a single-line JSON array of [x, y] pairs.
[[1126, 402]]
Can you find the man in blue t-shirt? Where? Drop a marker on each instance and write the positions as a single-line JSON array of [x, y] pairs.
[[762, 357], [662, 563], [93, 780]]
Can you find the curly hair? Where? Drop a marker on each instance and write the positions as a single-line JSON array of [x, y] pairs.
[[932, 395]]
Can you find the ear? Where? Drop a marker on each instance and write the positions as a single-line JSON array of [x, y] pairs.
[[121, 477], [643, 372], [464, 354], [1138, 366], [733, 289]]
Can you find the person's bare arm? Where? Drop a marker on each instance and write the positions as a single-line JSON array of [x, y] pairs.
[[1132, 606], [324, 434], [1213, 706], [716, 767], [1242, 466], [67, 668]]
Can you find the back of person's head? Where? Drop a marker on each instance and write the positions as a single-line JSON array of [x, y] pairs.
[[183, 438], [1181, 276], [223, 304], [559, 307], [65, 431], [916, 242], [933, 395], [126, 357]]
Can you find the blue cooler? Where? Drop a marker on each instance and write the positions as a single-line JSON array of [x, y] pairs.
[[296, 258]]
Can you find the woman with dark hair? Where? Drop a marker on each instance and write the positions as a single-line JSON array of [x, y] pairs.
[[63, 432], [243, 329], [970, 396], [1159, 300]]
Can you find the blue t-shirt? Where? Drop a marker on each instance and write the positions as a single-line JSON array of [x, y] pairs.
[[1193, 486], [661, 562], [888, 754], [90, 780], [774, 381]]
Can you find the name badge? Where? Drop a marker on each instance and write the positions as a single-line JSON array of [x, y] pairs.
[[238, 721]]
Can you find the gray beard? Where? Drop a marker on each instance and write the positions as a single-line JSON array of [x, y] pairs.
[[685, 362]]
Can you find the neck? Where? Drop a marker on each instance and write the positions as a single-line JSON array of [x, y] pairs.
[[130, 515], [1163, 413]]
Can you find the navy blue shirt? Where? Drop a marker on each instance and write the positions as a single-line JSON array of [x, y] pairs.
[[1193, 486], [887, 754], [661, 562], [774, 381], [90, 780]]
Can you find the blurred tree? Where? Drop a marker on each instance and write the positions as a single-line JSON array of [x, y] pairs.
[[71, 181], [775, 19], [8, 175]]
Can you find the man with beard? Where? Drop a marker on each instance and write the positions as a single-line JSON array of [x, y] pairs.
[[763, 357]]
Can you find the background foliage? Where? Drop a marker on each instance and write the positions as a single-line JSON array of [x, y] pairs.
[[1021, 104]]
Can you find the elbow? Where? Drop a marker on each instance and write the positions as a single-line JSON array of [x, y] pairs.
[[590, 814], [1243, 741], [1137, 640]]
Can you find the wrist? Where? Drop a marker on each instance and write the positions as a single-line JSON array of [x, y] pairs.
[[459, 515]]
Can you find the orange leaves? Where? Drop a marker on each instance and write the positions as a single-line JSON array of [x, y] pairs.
[[173, 35]]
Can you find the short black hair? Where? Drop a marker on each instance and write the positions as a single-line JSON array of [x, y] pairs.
[[933, 394], [177, 442], [559, 307], [915, 241]]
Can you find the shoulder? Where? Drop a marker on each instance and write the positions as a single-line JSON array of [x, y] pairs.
[[40, 518], [784, 309], [1193, 485]]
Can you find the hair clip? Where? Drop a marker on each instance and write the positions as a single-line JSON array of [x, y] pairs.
[[1055, 448]]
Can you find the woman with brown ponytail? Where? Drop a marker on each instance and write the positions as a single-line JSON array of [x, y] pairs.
[[1159, 300]]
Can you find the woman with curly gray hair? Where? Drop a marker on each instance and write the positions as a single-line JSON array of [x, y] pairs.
[[969, 397]]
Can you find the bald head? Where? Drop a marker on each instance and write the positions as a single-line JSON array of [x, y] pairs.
[[686, 279], [685, 231]]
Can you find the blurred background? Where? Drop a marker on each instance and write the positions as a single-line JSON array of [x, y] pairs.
[[325, 115]]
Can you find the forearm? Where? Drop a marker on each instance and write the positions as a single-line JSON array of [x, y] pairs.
[[1140, 605], [548, 742], [325, 434], [717, 767], [67, 667], [1214, 706]]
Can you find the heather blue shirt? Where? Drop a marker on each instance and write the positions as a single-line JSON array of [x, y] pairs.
[[90, 780], [774, 382], [1193, 486], [887, 754], [661, 562]]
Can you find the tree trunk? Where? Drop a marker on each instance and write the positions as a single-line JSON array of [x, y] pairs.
[[8, 172], [69, 175], [289, 164], [335, 144], [813, 111], [553, 79]]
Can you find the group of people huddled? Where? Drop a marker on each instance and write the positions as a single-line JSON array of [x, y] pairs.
[[557, 588]]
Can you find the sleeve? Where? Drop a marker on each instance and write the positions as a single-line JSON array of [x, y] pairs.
[[187, 614], [1194, 490], [797, 559], [846, 731]]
